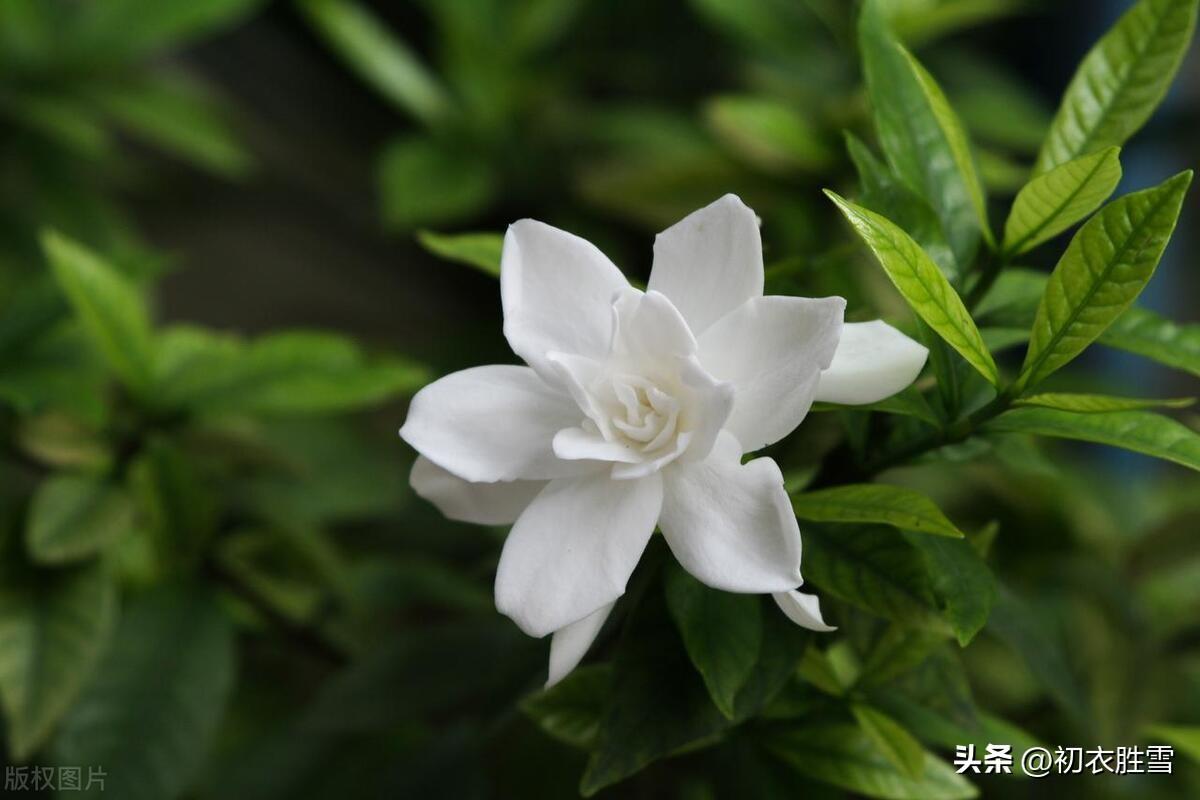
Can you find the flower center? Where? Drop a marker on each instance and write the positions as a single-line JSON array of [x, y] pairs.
[[648, 417]]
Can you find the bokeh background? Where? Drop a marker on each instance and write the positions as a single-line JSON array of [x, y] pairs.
[[265, 166]]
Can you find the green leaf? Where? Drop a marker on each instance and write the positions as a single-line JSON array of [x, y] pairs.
[[884, 194], [872, 568], [128, 29], [898, 745], [875, 503], [1183, 737], [909, 403], [847, 757], [721, 631], [151, 713], [424, 182], [176, 507], [1147, 334], [295, 372], [658, 704], [961, 581], [178, 115], [1140, 431], [1099, 403], [921, 283], [1120, 81], [1024, 628], [1103, 270], [921, 136], [379, 57], [570, 710], [75, 516], [767, 133], [479, 250], [1056, 200], [54, 625], [111, 311]]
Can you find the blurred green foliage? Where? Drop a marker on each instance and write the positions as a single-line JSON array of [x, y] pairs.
[[214, 581]]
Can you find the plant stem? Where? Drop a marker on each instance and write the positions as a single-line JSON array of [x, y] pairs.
[[956, 432]]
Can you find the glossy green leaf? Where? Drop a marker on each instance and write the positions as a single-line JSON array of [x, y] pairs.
[[425, 182], [298, 372], [961, 581], [921, 283], [110, 310], [1140, 431], [1141, 331], [1056, 200], [898, 745], [884, 194], [1098, 403], [1120, 81], [721, 631], [847, 757], [872, 568], [921, 136], [658, 703], [378, 56], [767, 133], [75, 516], [875, 503], [54, 624], [1103, 270], [162, 685], [570, 710], [479, 250]]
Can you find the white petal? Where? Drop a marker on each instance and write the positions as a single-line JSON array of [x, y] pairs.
[[873, 361], [569, 645], [710, 262], [481, 503], [574, 548], [575, 443], [557, 290], [803, 609], [730, 524], [711, 403], [492, 423], [773, 350], [650, 324]]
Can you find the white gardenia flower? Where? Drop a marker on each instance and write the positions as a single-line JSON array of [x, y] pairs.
[[634, 412]]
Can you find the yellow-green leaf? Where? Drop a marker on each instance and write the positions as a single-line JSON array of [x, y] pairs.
[[479, 250], [1103, 270], [1099, 403], [1120, 81], [897, 744], [922, 284], [1056, 200], [878, 503]]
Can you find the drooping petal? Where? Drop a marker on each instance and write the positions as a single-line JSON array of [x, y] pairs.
[[803, 609], [773, 350], [873, 361], [497, 503], [569, 645], [493, 423], [574, 548], [557, 290], [710, 262], [730, 524]]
